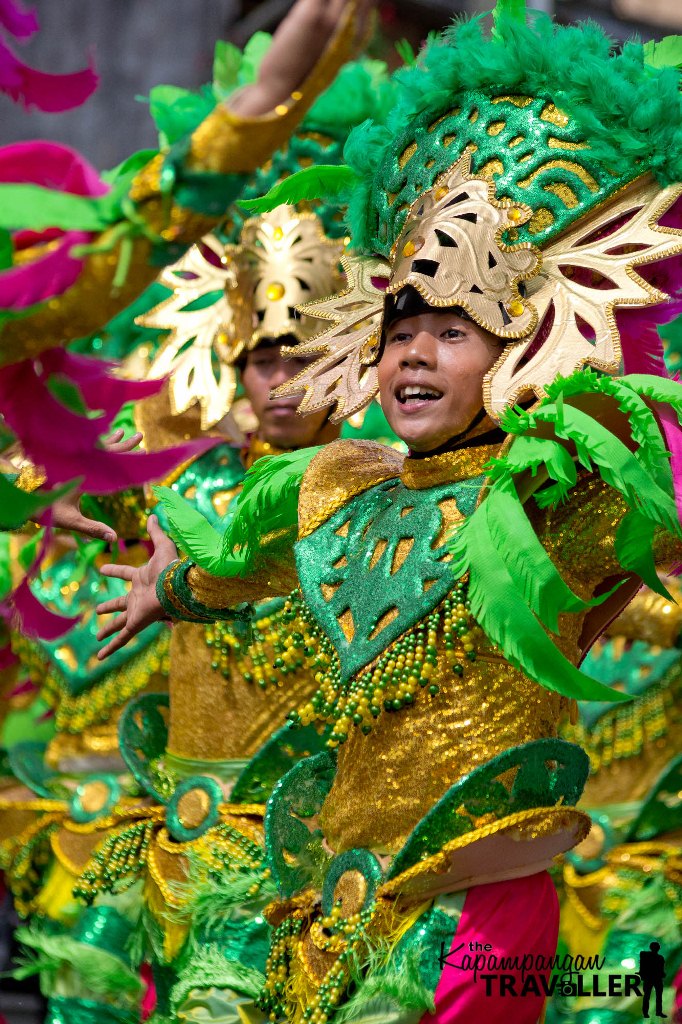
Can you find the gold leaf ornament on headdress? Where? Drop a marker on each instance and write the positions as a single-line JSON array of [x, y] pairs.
[[451, 251], [344, 374], [587, 273], [227, 298], [291, 261], [206, 337]]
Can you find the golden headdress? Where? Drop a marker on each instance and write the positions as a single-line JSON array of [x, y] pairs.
[[528, 178]]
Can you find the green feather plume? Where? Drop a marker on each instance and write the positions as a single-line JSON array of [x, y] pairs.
[[574, 65], [267, 504], [190, 530], [17, 506], [100, 972], [391, 989], [514, 588], [326, 181]]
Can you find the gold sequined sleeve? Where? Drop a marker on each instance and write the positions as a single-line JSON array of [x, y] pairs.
[[581, 534], [188, 592], [30, 478], [175, 199]]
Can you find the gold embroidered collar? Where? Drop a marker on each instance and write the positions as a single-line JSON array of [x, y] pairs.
[[448, 467], [257, 449]]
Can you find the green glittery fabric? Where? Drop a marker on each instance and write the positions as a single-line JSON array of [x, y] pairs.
[[277, 755], [27, 762], [434, 931], [218, 470], [142, 733], [294, 851], [301, 151], [383, 515], [70, 588], [438, 148], [549, 772], [86, 1011]]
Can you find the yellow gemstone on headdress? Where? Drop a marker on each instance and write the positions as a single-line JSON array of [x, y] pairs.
[[94, 795], [413, 246], [515, 308], [441, 193], [278, 234], [274, 291], [515, 215]]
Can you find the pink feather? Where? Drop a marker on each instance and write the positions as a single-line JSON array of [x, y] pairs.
[[29, 284], [25, 612], [26, 686], [47, 92], [15, 20], [51, 165], [67, 445], [95, 379]]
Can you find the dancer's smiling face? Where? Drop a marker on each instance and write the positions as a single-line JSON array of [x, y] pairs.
[[431, 376]]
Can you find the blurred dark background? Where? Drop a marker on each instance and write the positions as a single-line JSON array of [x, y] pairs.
[[139, 43]]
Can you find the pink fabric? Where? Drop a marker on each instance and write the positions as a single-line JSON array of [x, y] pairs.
[[516, 918], [149, 998], [677, 998], [18, 22]]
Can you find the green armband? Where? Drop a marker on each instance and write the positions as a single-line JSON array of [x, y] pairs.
[[178, 601]]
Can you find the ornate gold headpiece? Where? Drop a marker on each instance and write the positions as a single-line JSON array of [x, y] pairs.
[[453, 251], [226, 299]]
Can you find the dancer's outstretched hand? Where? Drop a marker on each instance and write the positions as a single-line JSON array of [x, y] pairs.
[[297, 45], [140, 607], [66, 511]]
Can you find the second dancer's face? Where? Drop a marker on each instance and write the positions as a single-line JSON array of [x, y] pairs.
[[431, 376], [279, 423]]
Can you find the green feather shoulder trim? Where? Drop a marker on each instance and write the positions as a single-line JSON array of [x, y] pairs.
[[515, 591], [267, 504]]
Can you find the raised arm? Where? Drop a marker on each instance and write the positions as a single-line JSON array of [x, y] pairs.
[[252, 561], [181, 193]]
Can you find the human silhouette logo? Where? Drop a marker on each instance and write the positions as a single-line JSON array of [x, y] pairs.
[[652, 973]]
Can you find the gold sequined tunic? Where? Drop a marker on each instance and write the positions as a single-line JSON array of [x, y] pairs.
[[389, 779]]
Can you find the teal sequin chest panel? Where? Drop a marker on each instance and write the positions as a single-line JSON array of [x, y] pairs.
[[209, 484], [379, 565]]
